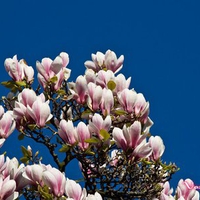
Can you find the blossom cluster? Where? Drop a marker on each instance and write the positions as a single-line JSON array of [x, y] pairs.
[[97, 119], [15, 177]]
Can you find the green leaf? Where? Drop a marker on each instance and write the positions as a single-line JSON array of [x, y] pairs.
[[111, 85], [10, 85], [120, 112], [61, 92], [104, 134], [32, 126], [54, 79], [64, 148], [24, 160], [92, 140], [85, 114], [21, 83], [21, 136], [44, 191], [25, 151], [89, 152]]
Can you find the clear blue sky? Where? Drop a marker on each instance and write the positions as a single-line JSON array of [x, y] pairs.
[[161, 44]]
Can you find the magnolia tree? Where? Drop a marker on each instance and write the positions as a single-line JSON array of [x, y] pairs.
[[96, 120]]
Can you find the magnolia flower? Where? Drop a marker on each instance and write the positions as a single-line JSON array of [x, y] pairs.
[[40, 112], [157, 146], [48, 69], [7, 189], [18, 70], [107, 102], [14, 171], [121, 83], [55, 180], [32, 107], [33, 173], [97, 123], [166, 193], [186, 190], [82, 134], [73, 190], [127, 99], [133, 102], [79, 91], [95, 96], [108, 61], [7, 125], [129, 137], [67, 131], [103, 77]]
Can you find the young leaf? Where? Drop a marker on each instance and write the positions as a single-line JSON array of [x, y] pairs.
[[92, 140], [111, 85], [25, 151], [64, 148], [104, 134], [21, 83], [54, 79], [24, 160]]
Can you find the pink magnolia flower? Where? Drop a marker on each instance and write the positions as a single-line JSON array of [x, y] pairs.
[[127, 99], [90, 76], [7, 189], [166, 193], [7, 125], [18, 70], [97, 123], [133, 102], [82, 134], [31, 108], [157, 146], [40, 112], [55, 180], [186, 190], [129, 137], [73, 190], [33, 173], [95, 96], [121, 83], [108, 61], [103, 77], [14, 171], [141, 107], [79, 89], [107, 102], [143, 150], [48, 69], [67, 131]]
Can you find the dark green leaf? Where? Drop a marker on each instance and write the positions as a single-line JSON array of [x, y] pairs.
[[21, 136]]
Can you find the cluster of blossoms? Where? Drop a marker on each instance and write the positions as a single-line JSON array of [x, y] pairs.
[[97, 120], [14, 178]]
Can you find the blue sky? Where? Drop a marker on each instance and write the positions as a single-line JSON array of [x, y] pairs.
[[161, 44]]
